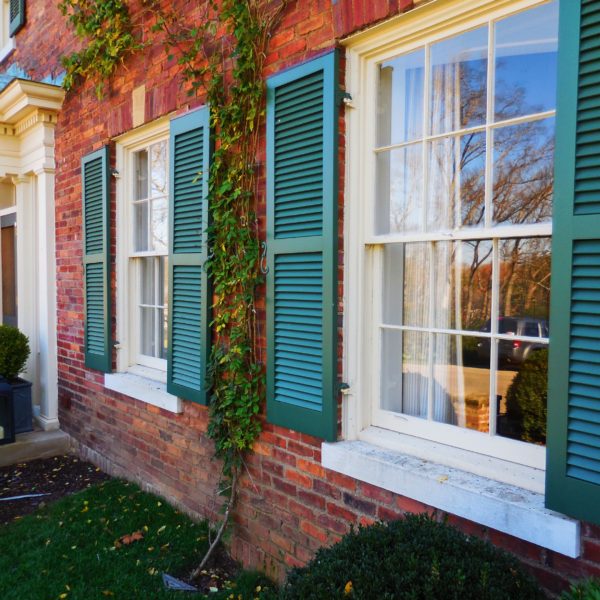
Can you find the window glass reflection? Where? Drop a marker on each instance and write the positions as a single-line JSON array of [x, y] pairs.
[[526, 52], [522, 389], [456, 182], [525, 282], [458, 81], [463, 276], [399, 206], [461, 383], [400, 99], [524, 172]]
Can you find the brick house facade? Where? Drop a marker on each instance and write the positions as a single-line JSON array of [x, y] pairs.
[[299, 493]]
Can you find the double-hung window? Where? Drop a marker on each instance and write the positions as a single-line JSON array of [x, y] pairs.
[[161, 284], [454, 231], [148, 208]]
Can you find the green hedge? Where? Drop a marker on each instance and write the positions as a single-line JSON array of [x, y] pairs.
[[416, 558], [586, 590]]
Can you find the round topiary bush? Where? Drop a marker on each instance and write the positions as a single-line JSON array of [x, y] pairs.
[[527, 398], [416, 558], [14, 352]]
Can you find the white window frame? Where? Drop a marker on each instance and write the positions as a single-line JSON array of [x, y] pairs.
[[128, 356], [7, 43], [142, 382], [439, 19]]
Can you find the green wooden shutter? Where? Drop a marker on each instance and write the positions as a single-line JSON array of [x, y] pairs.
[[573, 469], [16, 15], [302, 245], [189, 335], [95, 187]]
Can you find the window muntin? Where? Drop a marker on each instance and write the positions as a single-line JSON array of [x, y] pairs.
[[149, 227], [459, 158]]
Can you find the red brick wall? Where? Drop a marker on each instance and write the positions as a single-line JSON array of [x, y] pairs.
[[289, 505]]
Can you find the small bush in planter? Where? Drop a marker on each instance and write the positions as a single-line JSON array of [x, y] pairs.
[[416, 558], [585, 590], [14, 352]]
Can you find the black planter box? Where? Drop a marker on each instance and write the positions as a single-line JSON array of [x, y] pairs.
[[22, 408], [7, 422]]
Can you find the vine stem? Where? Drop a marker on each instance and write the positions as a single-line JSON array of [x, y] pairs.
[[228, 510]]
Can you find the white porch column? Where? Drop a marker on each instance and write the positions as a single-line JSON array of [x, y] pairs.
[[27, 293], [47, 366]]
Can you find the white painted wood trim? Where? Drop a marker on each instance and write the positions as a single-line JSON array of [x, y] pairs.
[[151, 391], [435, 20], [500, 506]]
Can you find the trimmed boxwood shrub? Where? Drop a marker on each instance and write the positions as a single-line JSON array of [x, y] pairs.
[[14, 352], [585, 590], [415, 558]]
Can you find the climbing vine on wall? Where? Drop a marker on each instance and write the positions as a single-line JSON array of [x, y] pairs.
[[236, 99], [221, 55], [106, 29], [228, 69]]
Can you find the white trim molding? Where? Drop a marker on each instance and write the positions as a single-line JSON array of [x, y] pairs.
[[28, 116], [500, 506]]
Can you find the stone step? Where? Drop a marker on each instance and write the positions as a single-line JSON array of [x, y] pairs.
[[34, 444]]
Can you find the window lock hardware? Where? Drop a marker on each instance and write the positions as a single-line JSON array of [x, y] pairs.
[[115, 173]]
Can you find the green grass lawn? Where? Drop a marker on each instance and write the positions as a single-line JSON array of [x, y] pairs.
[[67, 550]]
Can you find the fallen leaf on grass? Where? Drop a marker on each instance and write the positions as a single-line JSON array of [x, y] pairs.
[[348, 588], [126, 540]]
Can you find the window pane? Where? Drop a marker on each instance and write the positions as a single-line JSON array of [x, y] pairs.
[[525, 282], [458, 81], [456, 193], [406, 284], [526, 48], [162, 332], [523, 172], [147, 331], [159, 225], [463, 277], [140, 233], [141, 175], [147, 282], [158, 164], [461, 386], [399, 202], [400, 110], [163, 276], [416, 285], [522, 388], [405, 373]]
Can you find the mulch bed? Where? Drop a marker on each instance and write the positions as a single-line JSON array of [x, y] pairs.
[[56, 477]]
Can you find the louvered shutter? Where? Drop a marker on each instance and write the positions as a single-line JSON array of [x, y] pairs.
[[573, 469], [96, 264], [302, 247], [188, 282], [16, 16]]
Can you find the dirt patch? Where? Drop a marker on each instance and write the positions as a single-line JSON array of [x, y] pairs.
[[56, 477]]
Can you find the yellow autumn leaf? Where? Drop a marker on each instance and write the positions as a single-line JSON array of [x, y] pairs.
[[348, 588], [161, 529], [107, 593]]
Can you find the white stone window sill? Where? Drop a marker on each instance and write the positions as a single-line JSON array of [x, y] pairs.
[[502, 506], [7, 49], [145, 384]]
